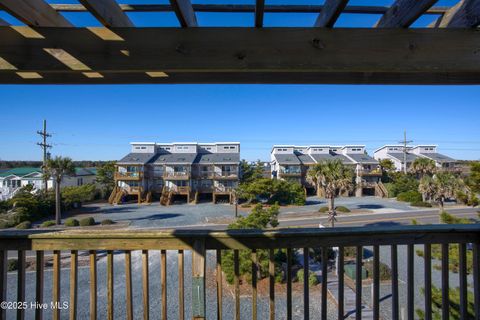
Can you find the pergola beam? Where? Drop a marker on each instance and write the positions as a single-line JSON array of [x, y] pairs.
[[259, 13], [108, 12], [465, 14], [202, 55], [185, 14], [330, 12], [35, 13], [403, 13]]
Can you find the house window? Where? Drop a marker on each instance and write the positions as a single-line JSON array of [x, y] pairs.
[[80, 182]]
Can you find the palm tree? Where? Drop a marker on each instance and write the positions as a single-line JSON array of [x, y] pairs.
[[423, 166], [334, 178], [58, 168], [426, 187], [441, 186]]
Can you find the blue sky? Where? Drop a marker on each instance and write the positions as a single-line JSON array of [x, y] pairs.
[[98, 122]]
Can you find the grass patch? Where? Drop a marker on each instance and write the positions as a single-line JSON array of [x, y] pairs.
[[24, 225], [107, 222], [421, 204], [342, 209]]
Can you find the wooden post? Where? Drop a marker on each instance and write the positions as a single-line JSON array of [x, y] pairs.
[[198, 279]]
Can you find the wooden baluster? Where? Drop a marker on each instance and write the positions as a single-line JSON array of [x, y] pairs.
[[3, 281], [21, 283], [462, 254], [219, 285], [340, 275], [163, 266], [324, 283], [39, 283], [394, 262], [476, 279], [358, 283], [410, 278], [198, 279], [306, 286], [110, 289], [128, 285], [181, 288], [56, 284], [145, 285], [445, 285], [73, 284], [236, 267], [428, 281], [376, 282], [93, 285], [254, 284], [289, 283], [271, 277]]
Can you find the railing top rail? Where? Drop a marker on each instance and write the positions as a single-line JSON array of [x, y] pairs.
[[237, 239]]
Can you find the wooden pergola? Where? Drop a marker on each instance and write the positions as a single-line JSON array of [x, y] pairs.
[[49, 49]]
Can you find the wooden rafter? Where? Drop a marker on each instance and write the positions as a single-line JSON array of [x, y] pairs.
[[108, 12], [244, 55], [330, 12], [259, 12], [36, 13], [403, 13], [466, 14], [185, 13]]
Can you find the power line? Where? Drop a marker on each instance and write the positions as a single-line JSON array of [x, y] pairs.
[[45, 146]]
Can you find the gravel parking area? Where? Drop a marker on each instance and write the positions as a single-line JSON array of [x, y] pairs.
[[156, 216]]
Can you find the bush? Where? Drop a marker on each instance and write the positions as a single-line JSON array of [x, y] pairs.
[[71, 222], [12, 265], [87, 222], [385, 272], [447, 218], [402, 183], [24, 225], [107, 222], [48, 223], [410, 196], [312, 278], [323, 209], [274, 191], [421, 204], [4, 224], [342, 209], [71, 195]]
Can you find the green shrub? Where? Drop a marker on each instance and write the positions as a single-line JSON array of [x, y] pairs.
[[401, 183], [415, 222], [71, 222], [4, 224], [274, 191], [312, 278], [421, 204], [323, 209], [12, 265], [47, 223], [342, 209], [461, 197], [410, 196], [87, 222], [107, 222], [447, 218], [80, 194], [385, 272], [24, 225]]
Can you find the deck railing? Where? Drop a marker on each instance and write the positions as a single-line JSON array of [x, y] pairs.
[[199, 242]]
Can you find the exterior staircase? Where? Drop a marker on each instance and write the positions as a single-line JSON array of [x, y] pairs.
[[112, 195], [148, 197], [380, 190]]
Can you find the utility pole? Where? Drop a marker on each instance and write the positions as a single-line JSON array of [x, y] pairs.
[[45, 146], [405, 142]]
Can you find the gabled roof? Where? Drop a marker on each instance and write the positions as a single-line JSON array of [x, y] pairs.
[[319, 157], [175, 158], [362, 158], [212, 158], [437, 157], [399, 156], [136, 158], [305, 159], [20, 172], [288, 159]]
